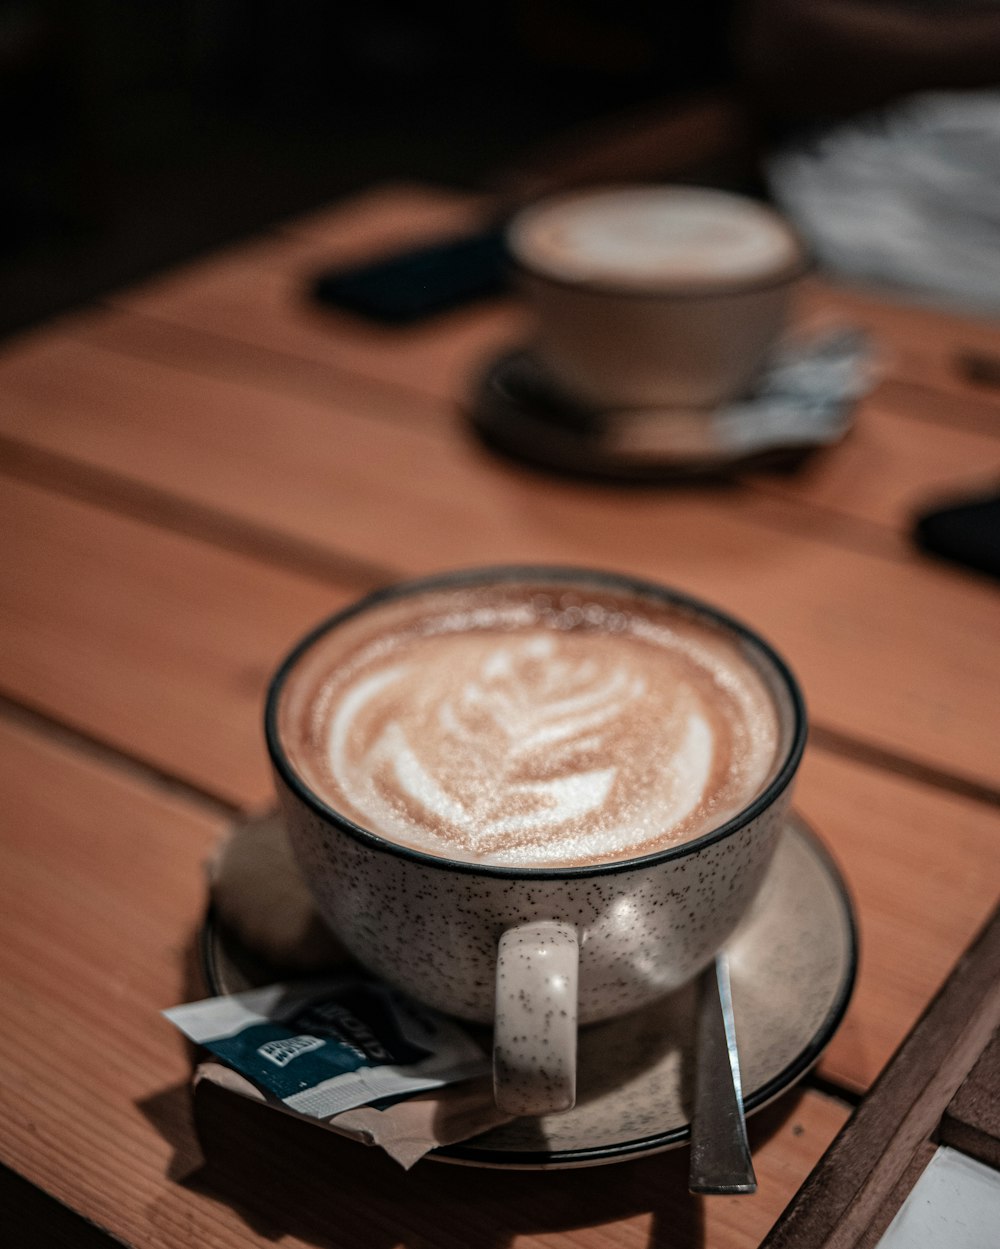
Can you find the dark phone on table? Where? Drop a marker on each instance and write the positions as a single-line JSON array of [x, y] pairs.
[[406, 287], [966, 531]]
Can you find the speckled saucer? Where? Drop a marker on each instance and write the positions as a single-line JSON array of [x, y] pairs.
[[793, 963]]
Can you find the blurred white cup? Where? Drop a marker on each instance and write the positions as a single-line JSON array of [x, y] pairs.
[[652, 296]]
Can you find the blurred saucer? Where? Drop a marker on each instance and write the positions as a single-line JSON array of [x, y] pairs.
[[792, 961], [802, 402]]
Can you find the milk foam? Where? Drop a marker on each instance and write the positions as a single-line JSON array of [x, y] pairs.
[[545, 729], [654, 236]]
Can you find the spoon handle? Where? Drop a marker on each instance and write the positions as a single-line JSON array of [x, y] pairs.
[[720, 1155]]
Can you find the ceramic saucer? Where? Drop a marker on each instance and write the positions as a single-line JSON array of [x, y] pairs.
[[804, 400], [792, 963]]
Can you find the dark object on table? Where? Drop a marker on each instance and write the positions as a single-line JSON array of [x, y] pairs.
[[966, 531], [979, 367], [405, 287]]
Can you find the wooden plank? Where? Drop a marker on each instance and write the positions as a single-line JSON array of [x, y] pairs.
[[95, 1108], [254, 365], [849, 1190], [890, 468], [921, 342], [972, 1121], [895, 653], [952, 456], [889, 1208], [882, 473], [914, 859], [863, 1170], [150, 641], [925, 404], [105, 888]]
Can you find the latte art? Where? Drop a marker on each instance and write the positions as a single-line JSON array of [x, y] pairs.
[[649, 237], [536, 732], [513, 748]]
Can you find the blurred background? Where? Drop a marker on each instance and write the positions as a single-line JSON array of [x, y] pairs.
[[139, 134]]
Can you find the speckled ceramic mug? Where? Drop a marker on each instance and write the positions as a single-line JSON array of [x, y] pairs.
[[537, 950]]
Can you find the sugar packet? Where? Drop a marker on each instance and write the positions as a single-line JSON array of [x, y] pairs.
[[325, 1046], [351, 1053]]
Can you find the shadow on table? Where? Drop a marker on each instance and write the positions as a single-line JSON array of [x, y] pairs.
[[285, 1178]]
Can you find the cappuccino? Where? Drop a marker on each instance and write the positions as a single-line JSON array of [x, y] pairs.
[[654, 297], [655, 238], [534, 723]]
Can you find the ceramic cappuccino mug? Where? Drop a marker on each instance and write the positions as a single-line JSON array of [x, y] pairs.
[[534, 797], [654, 296]]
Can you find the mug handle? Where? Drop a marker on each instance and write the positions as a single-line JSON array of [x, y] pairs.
[[534, 1040]]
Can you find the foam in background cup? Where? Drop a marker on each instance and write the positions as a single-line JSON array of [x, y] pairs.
[[654, 237]]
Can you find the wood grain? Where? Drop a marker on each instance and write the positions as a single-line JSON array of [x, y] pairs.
[[972, 1121], [929, 461], [267, 369], [107, 889], [879, 664], [916, 861], [152, 642], [242, 315], [849, 1190], [271, 337]]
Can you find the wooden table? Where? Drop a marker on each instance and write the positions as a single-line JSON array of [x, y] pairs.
[[197, 471]]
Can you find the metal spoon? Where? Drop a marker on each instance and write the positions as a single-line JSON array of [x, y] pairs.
[[720, 1155]]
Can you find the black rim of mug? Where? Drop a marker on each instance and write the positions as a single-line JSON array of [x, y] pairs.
[[581, 577]]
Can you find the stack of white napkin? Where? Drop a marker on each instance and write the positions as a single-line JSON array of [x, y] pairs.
[[909, 195]]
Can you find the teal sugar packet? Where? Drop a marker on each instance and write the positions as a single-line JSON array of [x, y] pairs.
[[322, 1047]]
